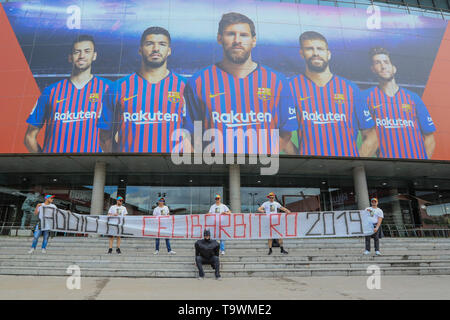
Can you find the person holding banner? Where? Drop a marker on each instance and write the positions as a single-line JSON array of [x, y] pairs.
[[162, 210], [39, 229], [219, 208], [207, 251], [375, 217], [116, 210], [270, 207]]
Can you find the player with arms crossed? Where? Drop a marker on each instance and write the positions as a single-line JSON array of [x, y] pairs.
[[331, 110], [404, 125], [238, 96], [70, 108], [141, 110]]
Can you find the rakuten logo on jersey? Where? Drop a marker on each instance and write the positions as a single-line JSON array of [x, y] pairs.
[[67, 117], [394, 123], [235, 119], [324, 118], [140, 117]]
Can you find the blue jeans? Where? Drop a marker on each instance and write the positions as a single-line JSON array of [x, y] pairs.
[[222, 245], [167, 245], [37, 234]]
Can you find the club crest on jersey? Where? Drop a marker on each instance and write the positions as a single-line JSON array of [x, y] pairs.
[[93, 97], [406, 107], [264, 94], [339, 98], [173, 96]]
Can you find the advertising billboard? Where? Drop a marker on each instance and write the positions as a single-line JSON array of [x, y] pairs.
[[243, 77]]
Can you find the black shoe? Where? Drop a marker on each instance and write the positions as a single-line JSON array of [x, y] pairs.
[[118, 251], [110, 250], [284, 251], [270, 251]]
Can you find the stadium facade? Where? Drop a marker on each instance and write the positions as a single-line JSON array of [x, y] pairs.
[[413, 191]]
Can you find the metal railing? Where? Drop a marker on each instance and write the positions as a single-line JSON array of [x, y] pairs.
[[412, 230]]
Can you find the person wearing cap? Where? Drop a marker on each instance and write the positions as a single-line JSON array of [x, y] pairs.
[[162, 210], [44, 230], [270, 207], [207, 251], [116, 210], [375, 217], [219, 208]]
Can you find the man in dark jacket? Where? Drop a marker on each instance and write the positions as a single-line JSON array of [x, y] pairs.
[[207, 251]]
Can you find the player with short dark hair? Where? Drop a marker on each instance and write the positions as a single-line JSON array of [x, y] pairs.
[[143, 109], [404, 126], [70, 108], [238, 94], [330, 109]]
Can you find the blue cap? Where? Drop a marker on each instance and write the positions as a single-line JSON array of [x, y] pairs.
[[119, 198], [49, 196]]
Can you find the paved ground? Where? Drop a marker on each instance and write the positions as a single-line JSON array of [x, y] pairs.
[[344, 288]]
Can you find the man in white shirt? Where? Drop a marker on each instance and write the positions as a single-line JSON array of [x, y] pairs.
[[39, 229], [218, 208], [270, 207], [375, 216], [162, 210], [116, 210]]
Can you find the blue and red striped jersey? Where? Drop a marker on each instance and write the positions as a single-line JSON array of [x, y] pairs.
[[69, 115], [401, 122], [242, 112], [144, 115], [330, 116]]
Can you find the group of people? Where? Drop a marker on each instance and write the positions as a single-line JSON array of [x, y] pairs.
[[207, 250], [317, 113]]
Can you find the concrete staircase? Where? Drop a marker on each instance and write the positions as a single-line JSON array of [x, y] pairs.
[[307, 257]]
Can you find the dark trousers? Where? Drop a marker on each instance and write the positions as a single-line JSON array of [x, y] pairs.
[[376, 240], [213, 261]]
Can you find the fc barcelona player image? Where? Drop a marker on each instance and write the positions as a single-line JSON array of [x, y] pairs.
[[239, 98], [404, 126], [142, 110], [69, 109], [331, 110]]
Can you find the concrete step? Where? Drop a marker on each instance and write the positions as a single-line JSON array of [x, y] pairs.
[[164, 273]]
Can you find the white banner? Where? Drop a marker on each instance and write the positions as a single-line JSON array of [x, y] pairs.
[[234, 226]]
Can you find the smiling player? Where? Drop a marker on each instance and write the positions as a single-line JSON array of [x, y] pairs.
[[141, 110], [404, 125], [331, 109], [69, 108]]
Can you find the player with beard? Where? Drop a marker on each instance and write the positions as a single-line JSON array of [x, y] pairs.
[[404, 125], [238, 94], [331, 110], [69, 108], [141, 110]]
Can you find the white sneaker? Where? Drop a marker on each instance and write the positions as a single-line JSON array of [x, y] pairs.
[[156, 252], [31, 251], [366, 252], [222, 252], [44, 251], [172, 252], [377, 253]]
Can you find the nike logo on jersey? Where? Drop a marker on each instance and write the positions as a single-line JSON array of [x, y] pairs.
[[58, 101], [376, 107], [217, 94], [126, 99], [303, 99]]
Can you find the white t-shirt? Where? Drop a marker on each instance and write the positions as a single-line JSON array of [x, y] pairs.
[[118, 210], [221, 208], [41, 214], [271, 207], [161, 211], [373, 214]]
